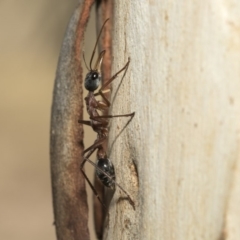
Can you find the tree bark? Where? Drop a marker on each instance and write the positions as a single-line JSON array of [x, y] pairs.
[[68, 184], [179, 156]]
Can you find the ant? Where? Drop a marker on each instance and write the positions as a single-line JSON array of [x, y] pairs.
[[99, 123]]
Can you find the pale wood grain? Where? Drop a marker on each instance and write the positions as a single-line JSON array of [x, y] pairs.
[[183, 82]]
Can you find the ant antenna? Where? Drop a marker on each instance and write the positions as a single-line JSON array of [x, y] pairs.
[[97, 43], [83, 53], [99, 61]]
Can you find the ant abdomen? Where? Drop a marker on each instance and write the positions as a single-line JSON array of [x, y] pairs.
[[107, 175]]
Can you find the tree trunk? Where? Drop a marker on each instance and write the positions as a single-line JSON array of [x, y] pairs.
[[179, 156]]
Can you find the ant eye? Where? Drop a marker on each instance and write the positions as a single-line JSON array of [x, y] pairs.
[[95, 76]]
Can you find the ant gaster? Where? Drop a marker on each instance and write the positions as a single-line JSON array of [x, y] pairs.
[[99, 123]]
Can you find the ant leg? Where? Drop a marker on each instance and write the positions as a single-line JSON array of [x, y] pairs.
[[114, 76], [92, 187], [112, 116], [100, 92], [90, 151], [85, 122], [104, 123], [103, 105], [88, 123], [96, 144], [97, 118], [106, 103]]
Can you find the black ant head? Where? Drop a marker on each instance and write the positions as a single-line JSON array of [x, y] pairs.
[[92, 80]]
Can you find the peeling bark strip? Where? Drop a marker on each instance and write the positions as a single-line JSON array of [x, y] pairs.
[[68, 185]]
